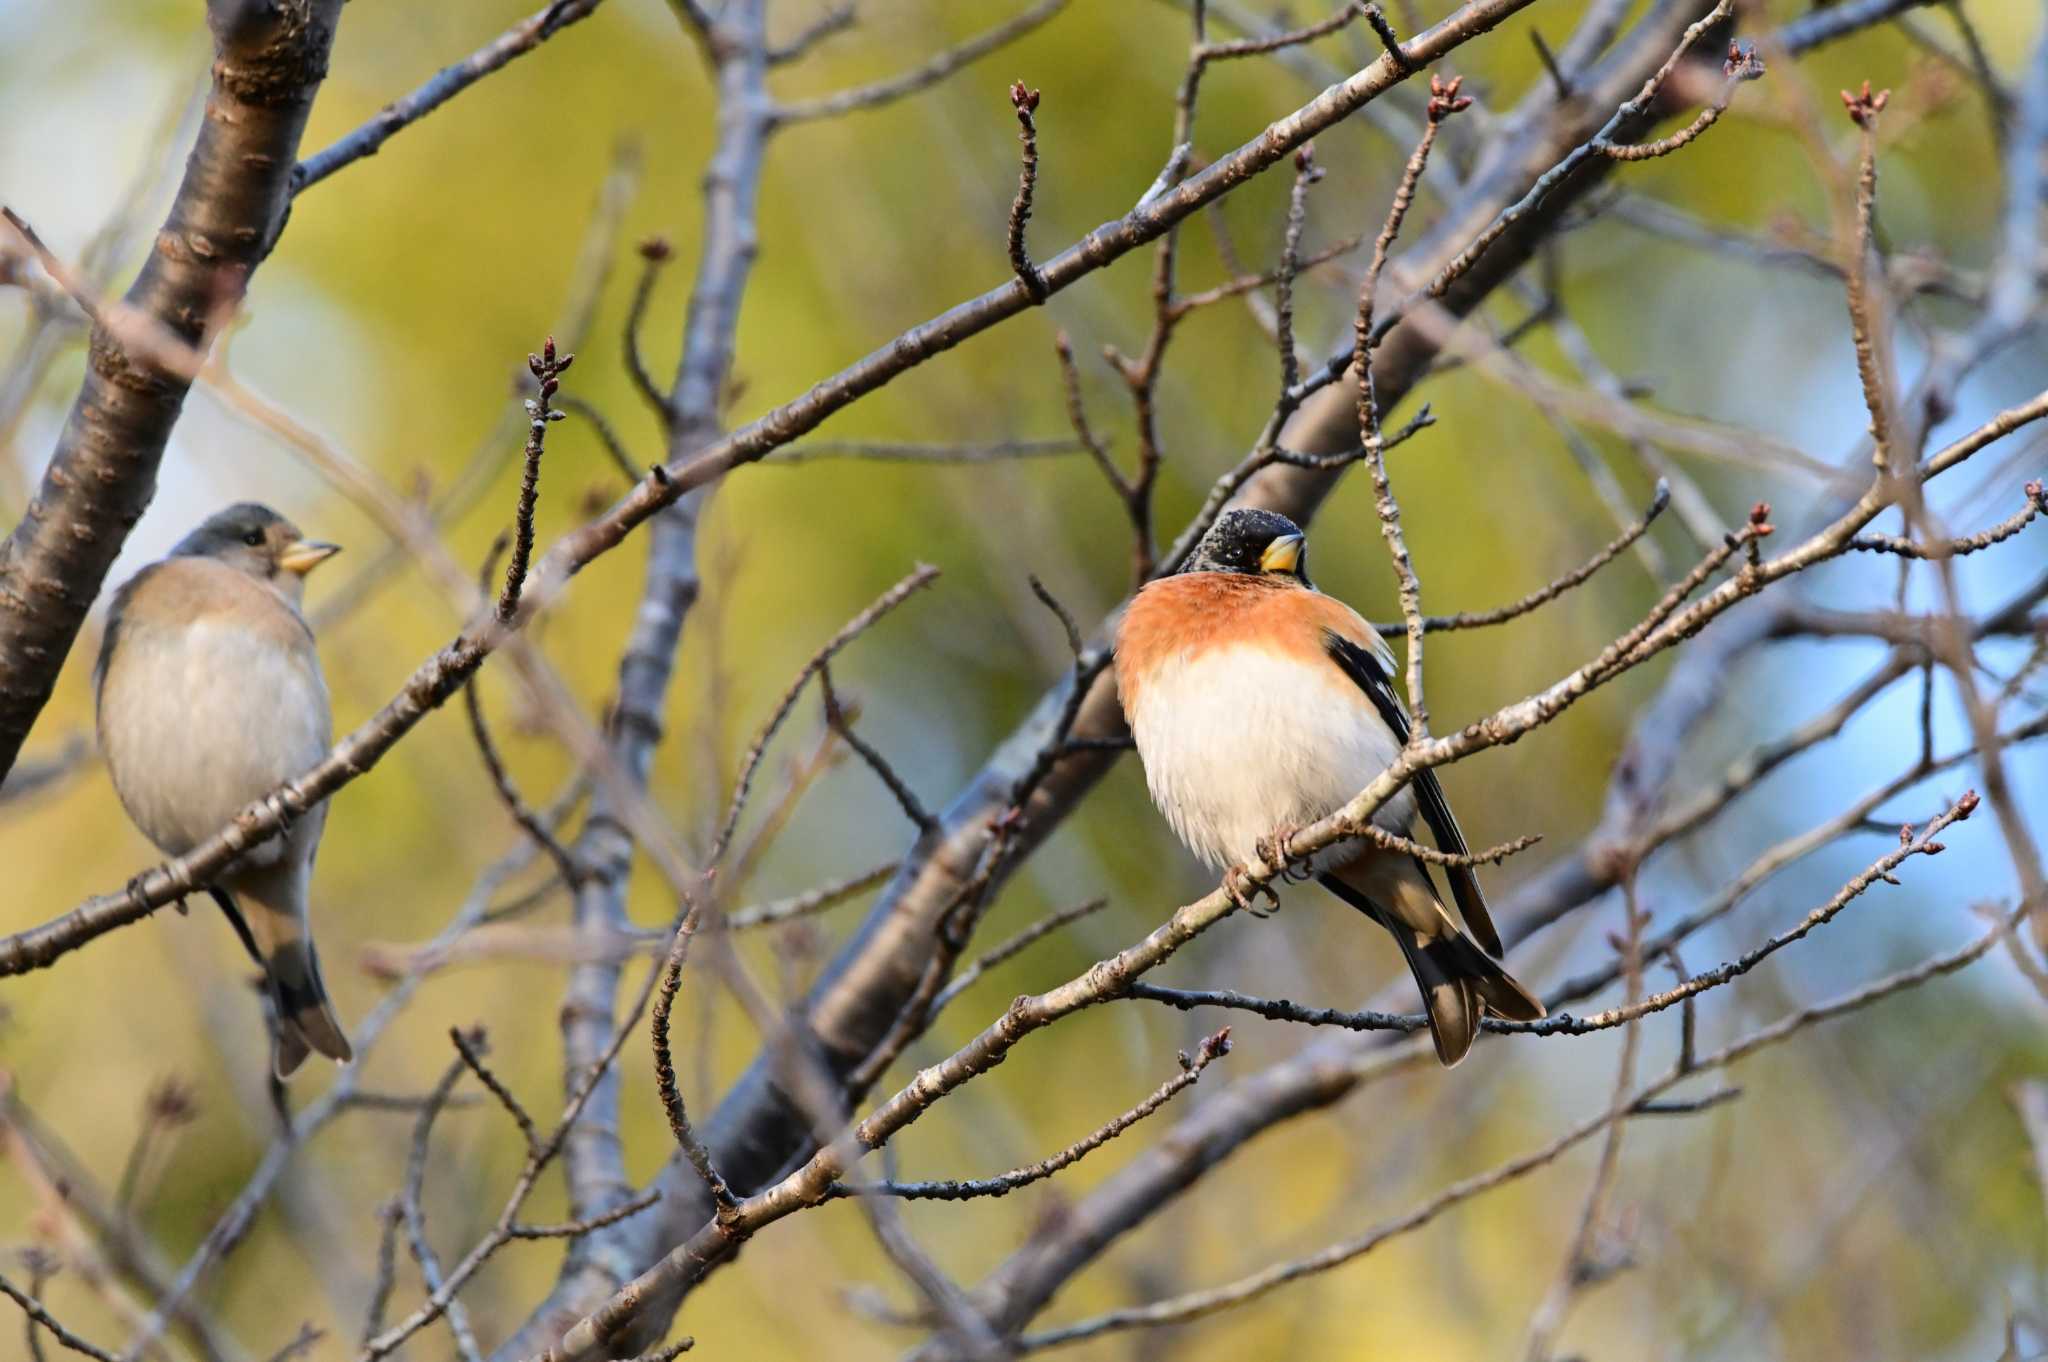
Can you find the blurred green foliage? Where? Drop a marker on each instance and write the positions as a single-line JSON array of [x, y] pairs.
[[1869, 1197]]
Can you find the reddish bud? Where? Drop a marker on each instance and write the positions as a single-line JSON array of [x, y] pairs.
[[656, 249], [1444, 99], [1743, 63], [1864, 107], [1023, 97], [1967, 805]]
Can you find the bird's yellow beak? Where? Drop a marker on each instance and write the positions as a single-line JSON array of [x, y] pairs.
[[1283, 554], [302, 556]]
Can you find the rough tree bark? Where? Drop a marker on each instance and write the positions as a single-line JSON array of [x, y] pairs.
[[269, 59]]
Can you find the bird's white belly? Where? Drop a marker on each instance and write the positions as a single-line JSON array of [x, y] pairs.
[[199, 721], [1238, 741]]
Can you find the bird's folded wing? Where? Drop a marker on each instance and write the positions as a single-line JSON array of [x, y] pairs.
[[1371, 667]]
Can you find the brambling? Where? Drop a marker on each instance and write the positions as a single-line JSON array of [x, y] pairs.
[[1260, 705], [210, 696]]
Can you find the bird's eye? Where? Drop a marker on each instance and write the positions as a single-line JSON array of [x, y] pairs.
[[254, 539]]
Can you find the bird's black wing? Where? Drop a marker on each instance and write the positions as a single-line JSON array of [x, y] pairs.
[[1372, 669]]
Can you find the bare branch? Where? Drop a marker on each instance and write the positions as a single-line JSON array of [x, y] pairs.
[[898, 451], [840, 722], [1743, 65], [923, 576], [471, 1048], [1025, 101], [836, 19], [33, 1308], [655, 252], [1444, 101], [447, 83], [922, 78], [1873, 358], [414, 1212], [809, 902], [1543, 595], [665, 1069], [547, 372], [227, 214], [530, 822], [996, 955], [1212, 1047]]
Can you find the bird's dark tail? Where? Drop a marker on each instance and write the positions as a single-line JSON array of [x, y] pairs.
[[1460, 983], [305, 1017], [302, 1019]]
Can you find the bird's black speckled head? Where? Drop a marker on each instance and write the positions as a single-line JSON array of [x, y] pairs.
[[256, 540], [1250, 541]]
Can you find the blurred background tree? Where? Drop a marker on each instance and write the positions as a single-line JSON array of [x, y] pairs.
[[704, 181]]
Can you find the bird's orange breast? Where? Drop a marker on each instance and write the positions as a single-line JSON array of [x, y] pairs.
[[1187, 615]]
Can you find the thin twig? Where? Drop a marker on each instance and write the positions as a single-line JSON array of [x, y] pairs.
[[1025, 101], [906, 451], [1405, 846], [1872, 364], [1543, 595], [547, 371], [450, 81], [1038, 930], [607, 436], [413, 1210], [1306, 173], [1345, 15], [1378, 19], [836, 19], [924, 575], [923, 77], [1212, 1048], [1444, 101], [471, 1048], [530, 822], [809, 902], [665, 1070], [33, 1308], [1743, 65], [840, 722], [300, 1344], [389, 1217], [574, 1229], [655, 252]]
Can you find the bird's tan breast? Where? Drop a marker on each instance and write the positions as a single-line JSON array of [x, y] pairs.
[[210, 696]]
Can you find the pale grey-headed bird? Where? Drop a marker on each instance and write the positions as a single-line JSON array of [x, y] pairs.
[[210, 696]]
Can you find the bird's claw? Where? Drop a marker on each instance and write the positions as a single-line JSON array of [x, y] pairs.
[[1272, 849], [1246, 896]]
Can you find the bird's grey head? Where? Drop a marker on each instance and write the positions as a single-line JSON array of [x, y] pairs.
[[254, 539], [1252, 541]]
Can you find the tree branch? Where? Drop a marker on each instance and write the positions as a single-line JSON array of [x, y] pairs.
[[268, 62]]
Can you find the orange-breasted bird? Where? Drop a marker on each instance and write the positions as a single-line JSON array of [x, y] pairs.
[[1260, 705]]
